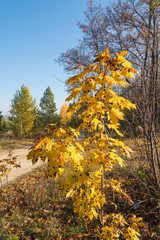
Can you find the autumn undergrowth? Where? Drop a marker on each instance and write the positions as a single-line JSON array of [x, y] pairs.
[[31, 208], [139, 183]]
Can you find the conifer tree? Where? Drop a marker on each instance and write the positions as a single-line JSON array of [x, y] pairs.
[[4, 123], [1, 121], [47, 112], [23, 112]]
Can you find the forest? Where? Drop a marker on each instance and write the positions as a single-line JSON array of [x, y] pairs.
[[100, 177]]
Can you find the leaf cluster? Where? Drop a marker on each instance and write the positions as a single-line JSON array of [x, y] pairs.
[[7, 164]]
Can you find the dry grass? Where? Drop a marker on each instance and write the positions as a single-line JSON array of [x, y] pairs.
[[6, 144], [31, 208]]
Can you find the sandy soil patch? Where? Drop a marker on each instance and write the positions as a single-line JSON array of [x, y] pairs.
[[26, 165]]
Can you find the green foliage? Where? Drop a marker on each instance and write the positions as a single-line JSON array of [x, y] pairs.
[[4, 124], [142, 175], [81, 171], [23, 112], [1, 123], [47, 110]]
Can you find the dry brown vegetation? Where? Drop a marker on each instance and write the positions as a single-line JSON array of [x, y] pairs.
[[6, 144], [31, 208]]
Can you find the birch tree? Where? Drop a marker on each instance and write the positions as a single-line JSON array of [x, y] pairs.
[[23, 112]]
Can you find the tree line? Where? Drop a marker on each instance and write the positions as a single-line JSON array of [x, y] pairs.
[[26, 118]]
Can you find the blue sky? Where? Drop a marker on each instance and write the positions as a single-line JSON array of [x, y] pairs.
[[32, 34]]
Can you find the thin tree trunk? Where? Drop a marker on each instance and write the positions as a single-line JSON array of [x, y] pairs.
[[21, 129], [102, 189]]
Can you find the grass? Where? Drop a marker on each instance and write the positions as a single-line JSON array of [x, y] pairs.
[[6, 144]]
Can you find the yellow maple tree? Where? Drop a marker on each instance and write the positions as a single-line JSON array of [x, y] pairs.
[[81, 170]]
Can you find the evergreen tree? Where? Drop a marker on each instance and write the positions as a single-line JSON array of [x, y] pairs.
[[23, 112], [47, 111], [1, 118], [4, 124]]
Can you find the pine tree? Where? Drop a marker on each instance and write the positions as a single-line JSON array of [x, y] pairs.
[[1, 122], [4, 124], [23, 112], [47, 108]]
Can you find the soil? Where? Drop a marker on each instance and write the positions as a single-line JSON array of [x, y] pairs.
[[26, 165]]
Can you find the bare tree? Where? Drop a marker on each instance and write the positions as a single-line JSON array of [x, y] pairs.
[[135, 27], [94, 39], [131, 25]]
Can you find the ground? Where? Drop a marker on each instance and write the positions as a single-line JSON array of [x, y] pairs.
[[26, 165]]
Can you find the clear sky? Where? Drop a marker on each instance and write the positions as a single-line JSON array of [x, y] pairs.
[[32, 34]]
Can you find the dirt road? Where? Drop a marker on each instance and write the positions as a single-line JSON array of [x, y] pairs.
[[26, 165]]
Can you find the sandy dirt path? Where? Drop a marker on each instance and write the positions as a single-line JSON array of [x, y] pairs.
[[26, 165]]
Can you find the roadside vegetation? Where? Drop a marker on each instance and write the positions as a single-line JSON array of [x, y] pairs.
[[31, 208], [10, 144], [101, 173]]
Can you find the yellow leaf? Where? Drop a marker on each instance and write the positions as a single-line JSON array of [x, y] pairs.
[[37, 230], [114, 115]]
